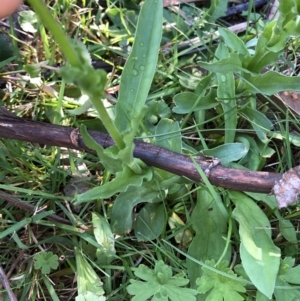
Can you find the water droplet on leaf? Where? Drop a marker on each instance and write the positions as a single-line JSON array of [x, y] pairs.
[[142, 44], [142, 67], [135, 72]]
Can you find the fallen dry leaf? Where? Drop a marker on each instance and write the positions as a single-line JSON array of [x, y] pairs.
[[291, 99]]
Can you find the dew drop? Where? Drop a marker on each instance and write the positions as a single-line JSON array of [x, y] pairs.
[[134, 72], [142, 67], [131, 90], [223, 78], [144, 55], [141, 44]]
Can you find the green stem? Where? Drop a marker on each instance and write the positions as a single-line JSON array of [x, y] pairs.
[[56, 31], [70, 54], [106, 120], [229, 233]]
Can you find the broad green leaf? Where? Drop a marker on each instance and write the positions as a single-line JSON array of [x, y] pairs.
[[271, 82], [260, 257], [253, 157], [287, 274], [183, 236], [292, 274], [262, 56], [140, 66], [28, 21], [261, 297], [87, 279], [120, 183], [108, 157], [233, 41], [188, 81], [45, 261], [227, 152], [150, 221], [292, 138], [286, 293], [287, 230], [220, 287], [232, 63], [210, 227], [121, 217], [168, 135], [260, 123], [226, 96], [160, 285], [217, 9], [89, 296], [205, 84], [156, 110], [105, 238], [188, 101]]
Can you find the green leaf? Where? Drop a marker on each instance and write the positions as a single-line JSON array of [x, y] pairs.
[[260, 257], [89, 296], [227, 152], [287, 274], [287, 230], [160, 285], [45, 261], [156, 110], [226, 96], [260, 123], [140, 66], [121, 217], [105, 238], [220, 286], [210, 226], [253, 158], [271, 82], [217, 9], [28, 21], [188, 101], [292, 138], [108, 157], [87, 279], [262, 56], [150, 222], [232, 63], [168, 135], [90, 81], [233, 41], [120, 183]]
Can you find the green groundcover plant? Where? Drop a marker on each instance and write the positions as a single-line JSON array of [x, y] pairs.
[[198, 242]]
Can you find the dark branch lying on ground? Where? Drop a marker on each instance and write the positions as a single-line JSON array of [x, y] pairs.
[[12, 127]]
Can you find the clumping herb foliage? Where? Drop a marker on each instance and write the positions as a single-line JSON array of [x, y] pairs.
[[133, 231], [45, 261], [159, 284], [220, 287]]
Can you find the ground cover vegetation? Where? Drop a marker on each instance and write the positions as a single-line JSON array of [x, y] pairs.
[[105, 226]]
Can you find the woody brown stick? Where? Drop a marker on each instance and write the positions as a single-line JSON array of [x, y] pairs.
[[12, 127]]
